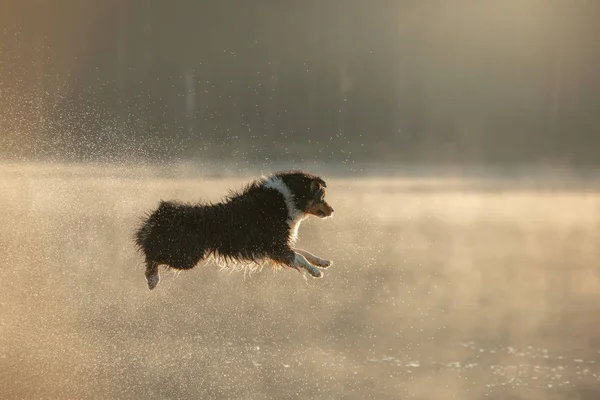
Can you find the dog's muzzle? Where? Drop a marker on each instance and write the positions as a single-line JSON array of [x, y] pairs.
[[321, 209]]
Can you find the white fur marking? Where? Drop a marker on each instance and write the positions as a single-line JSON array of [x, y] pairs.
[[275, 182], [295, 216], [294, 226]]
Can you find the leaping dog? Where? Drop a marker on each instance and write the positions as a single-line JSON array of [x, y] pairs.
[[256, 224]]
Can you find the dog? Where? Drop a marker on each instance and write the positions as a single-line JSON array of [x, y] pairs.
[[258, 223]]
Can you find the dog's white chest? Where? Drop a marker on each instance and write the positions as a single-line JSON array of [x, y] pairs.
[[294, 226]]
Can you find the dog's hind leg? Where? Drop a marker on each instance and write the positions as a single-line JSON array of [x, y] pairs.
[[152, 275], [319, 262]]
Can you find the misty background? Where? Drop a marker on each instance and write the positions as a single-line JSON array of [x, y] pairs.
[[445, 82], [478, 279]]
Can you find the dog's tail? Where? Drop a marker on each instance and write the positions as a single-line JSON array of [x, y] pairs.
[[147, 225], [149, 238], [142, 234], [142, 240]]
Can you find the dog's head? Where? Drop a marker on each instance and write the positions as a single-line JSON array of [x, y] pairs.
[[309, 193]]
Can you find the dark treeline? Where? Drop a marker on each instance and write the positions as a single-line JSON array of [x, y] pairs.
[[406, 81]]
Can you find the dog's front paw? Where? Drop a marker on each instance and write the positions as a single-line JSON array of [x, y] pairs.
[[323, 263], [317, 274]]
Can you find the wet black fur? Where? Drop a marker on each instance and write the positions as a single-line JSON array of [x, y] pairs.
[[247, 226]]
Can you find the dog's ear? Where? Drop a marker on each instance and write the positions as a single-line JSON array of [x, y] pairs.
[[317, 183]]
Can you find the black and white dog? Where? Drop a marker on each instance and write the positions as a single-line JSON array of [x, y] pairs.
[[259, 223]]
